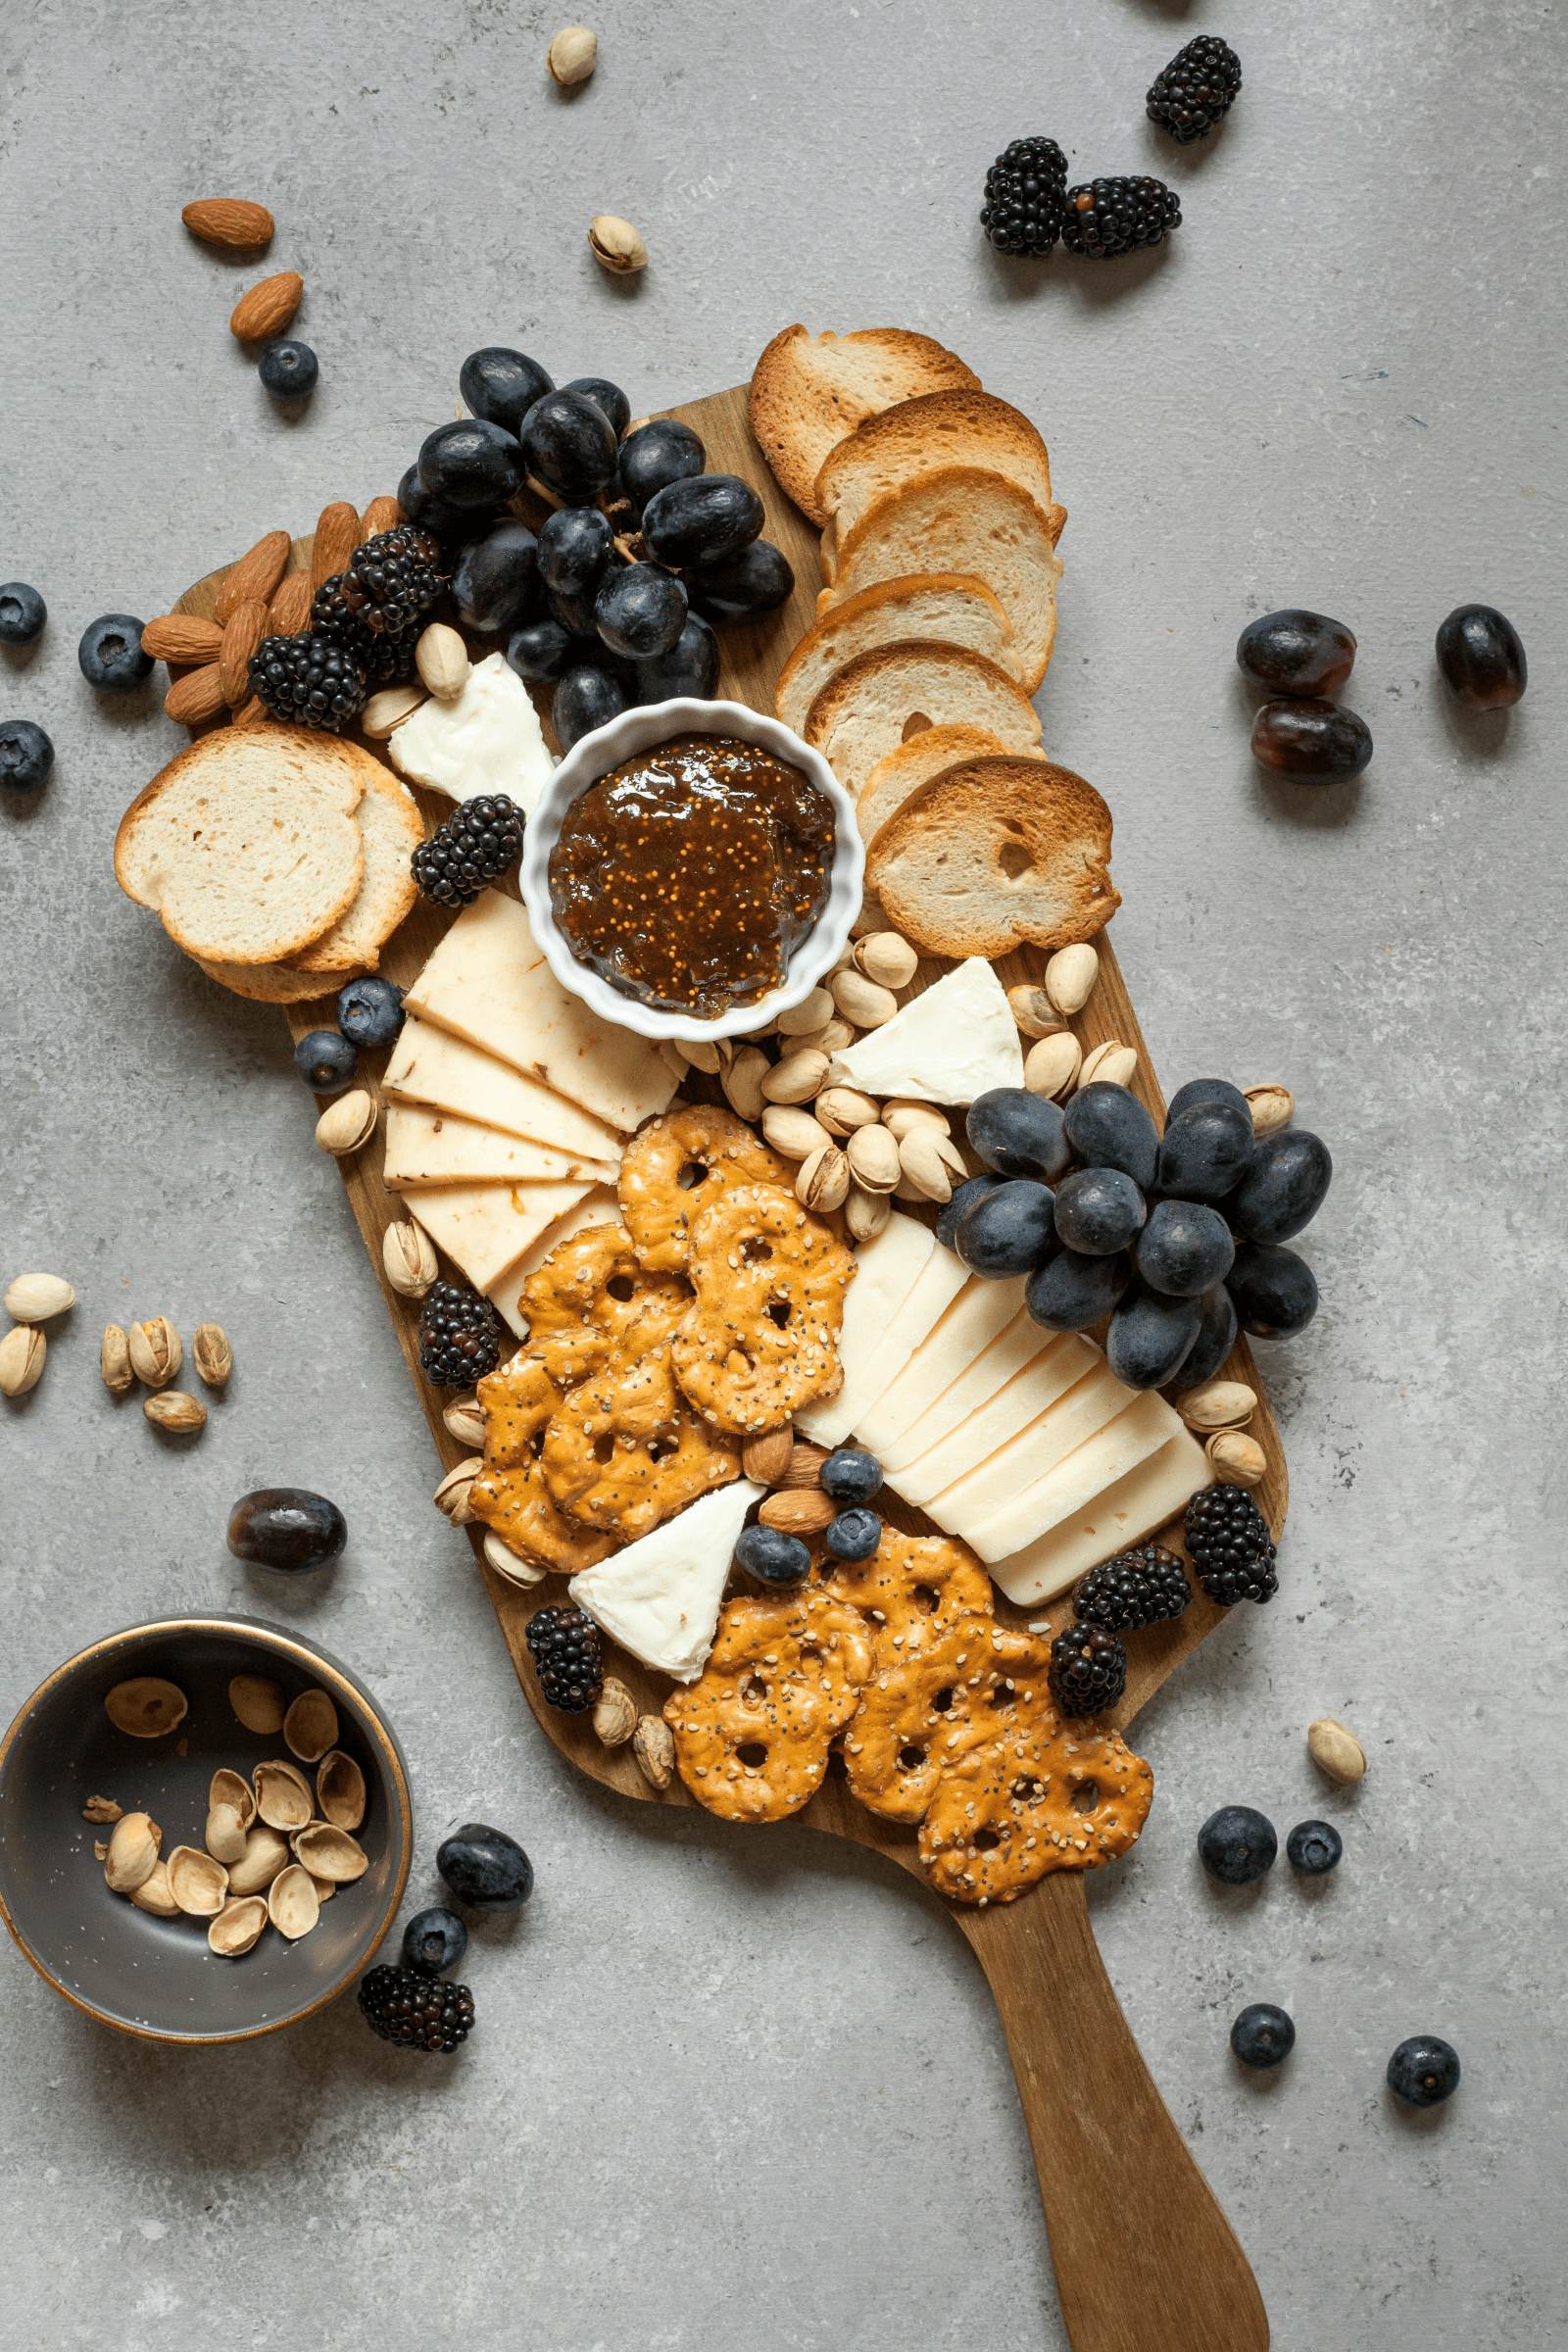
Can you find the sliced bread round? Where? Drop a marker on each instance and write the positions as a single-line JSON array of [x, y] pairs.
[[943, 608], [882, 698], [939, 429], [276, 983], [994, 853], [962, 518], [929, 752], [807, 396], [392, 826], [246, 845]]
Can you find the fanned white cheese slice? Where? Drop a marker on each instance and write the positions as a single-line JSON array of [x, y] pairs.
[[430, 1066], [935, 1286], [489, 983], [598, 1207], [1021, 1343], [1026, 1403], [1125, 1513], [952, 1045], [980, 1311], [483, 1228], [1010, 1451], [430, 1146], [1028, 1512], [660, 1598], [488, 738], [886, 1270]]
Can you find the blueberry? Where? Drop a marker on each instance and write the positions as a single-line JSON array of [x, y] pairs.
[[325, 1061], [370, 1011], [1237, 1846], [543, 651], [576, 547], [965, 1195], [470, 463], [288, 370], [1149, 1337], [1296, 653], [1205, 1151], [1008, 1231], [656, 454], [485, 1868], [607, 397], [502, 385], [1262, 2035], [434, 514], [1106, 1127], [27, 755], [1481, 658], [1070, 1292], [1284, 1188], [585, 699], [1311, 743], [1275, 1292], [287, 1527], [1185, 1250], [640, 611], [758, 579], [497, 585], [23, 614], [1424, 2071], [773, 1556], [1216, 1336], [850, 1475], [701, 520], [1019, 1133], [1205, 1090], [569, 446], [690, 667], [1098, 1210], [1313, 1848], [854, 1535], [111, 655], [433, 1940]]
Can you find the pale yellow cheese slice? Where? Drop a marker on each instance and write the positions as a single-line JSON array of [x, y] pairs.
[[935, 1286], [430, 1066], [597, 1208], [484, 1228], [1009, 1447], [1127, 1512], [980, 1311], [886, 1270], [1137, 1431], [488, 982], [431, 1146], [1021, 1343]]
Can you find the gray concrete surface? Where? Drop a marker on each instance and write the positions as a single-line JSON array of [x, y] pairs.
[[749, 2092]]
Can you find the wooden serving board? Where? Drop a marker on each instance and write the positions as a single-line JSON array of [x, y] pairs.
[[1144, 2259]]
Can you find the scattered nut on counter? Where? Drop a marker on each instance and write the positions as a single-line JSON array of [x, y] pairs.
[[36, 1298], [113, 1360], [614, 1713], [173, 1409], [408, 1254], [22, 1355], [573, 55], [213, 1354], [1272, 1107], [157, 1351], [346, 1124], [1339, 1753], [616, 244]]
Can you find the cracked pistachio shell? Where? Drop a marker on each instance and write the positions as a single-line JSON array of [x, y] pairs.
[[508, 1563], [229, 1789], [310, 1728], [21, 1359], [282, 1796], [133, 1854], [340, 1789], [155, 1893], [265, 1856], [258, 1702], [34, 1298], [157, 1351], [1071, 977], [409, 1256], [198, 1882], [146, 1707], [292, 1903], [237, 1926], [1272, 1107], [330, 1853], [113, 1360], [617, 245], [225, 1835]]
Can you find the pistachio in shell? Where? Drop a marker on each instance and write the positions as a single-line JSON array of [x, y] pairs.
[[310, 1728], [282, 1796], [330, 1853], [228, 1788], [292, 1903], [265, 1856], [146, 1707], [155, 1893], [340, 1789], [259, 1703], [198, 1882], [237, 1926], [133, 1854], [226, 1834]]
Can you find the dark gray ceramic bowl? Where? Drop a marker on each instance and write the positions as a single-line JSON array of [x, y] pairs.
[[155, 1976]]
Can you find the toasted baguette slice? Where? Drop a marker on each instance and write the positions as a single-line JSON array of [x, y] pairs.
[[869, 707], [246, 845], [807, 396], [940, 429], [994, 853], [276, 983], [393, 828], [930, 752], [962, 518], [933, 607]]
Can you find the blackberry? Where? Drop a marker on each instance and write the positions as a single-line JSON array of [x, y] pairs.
[[563, 1645], [1197, 90], [1024, 190], [459, 1338], [416, 2011], [1088, 1669], [1232, 1550], [478, 842], [1105, 218], [390, 582], [307, 682], [1138, 1587]]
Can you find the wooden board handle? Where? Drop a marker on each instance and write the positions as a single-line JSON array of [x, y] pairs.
[[1144, 2259]]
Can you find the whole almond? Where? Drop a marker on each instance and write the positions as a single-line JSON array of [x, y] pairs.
[[1272, 1107], [196, 697], [799, 1511], [346, 1124], [1217, 1404], [246, 626], [805, 1460], [1237, 1458], [268, 308], [652, 1744], [1110, 1065], [257, 573], [862, 1001], [794, 1133], [289, 614], [809, 1013], [899, 1116], [157, 1351], [1336, 1751], [873, 1157], [381, 515], [182, 637], [843, 1109], [1034, 1012], [1051, 1067], [886, 958], [230, 222], [36, 1298], [385, 712], [766, 1459], [1071, 977], [337, 535], [614, 1713], [452, 1496], [212, 1355], [797, 1078], [743, 1082], [823, 1180], [22, 1357], [465, 1418], [253, 713], [113, 1360], [442, 660], [172, 1409], [408, 1254], [866, 1213]]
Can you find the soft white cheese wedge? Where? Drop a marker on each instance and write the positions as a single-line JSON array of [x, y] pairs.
[[431, 1146], [488, 740], [952, 1045], [1028, 1512], [430, 1066], [979, 1313], [886, 1270], [1130, 1511], [1012, 1450], [660, 1598]]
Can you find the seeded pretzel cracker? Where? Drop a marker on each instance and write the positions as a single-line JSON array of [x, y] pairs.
[[714, 1150], [1038, 1799], [752, 1734], [761, 1340]]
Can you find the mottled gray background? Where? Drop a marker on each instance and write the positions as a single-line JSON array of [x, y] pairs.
[[748, 2090]]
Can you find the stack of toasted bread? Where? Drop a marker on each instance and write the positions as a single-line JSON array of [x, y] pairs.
[[934, 628]]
